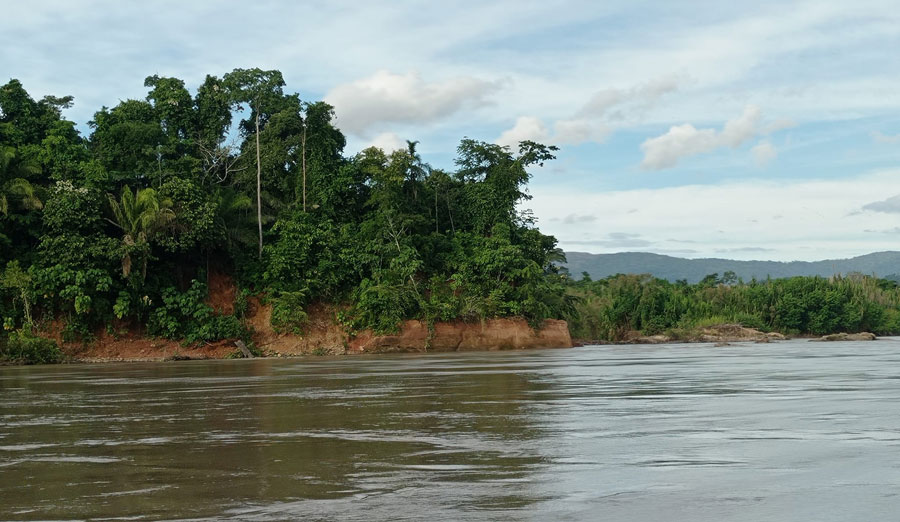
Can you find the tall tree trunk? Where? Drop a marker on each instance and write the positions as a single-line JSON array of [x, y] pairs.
[[303, 153], [450, 213], [258, 184]]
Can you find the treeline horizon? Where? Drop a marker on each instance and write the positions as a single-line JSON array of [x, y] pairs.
[[125, 224]]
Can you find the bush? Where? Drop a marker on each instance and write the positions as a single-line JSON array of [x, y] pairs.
[[748, 320], [24, 347], [287, 312], [185, 315]]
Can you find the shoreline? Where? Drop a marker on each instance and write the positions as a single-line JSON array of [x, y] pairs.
[[325, 338]]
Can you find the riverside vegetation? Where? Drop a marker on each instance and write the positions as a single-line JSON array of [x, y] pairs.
[[121, 229], [615, 307]]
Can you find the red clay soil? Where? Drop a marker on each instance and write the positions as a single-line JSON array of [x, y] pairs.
[[222, 291], [130, 345], [134, 348], [321, 334], [490, 335]]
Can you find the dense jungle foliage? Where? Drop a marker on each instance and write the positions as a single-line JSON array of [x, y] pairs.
[[610, 308], [125, 225]]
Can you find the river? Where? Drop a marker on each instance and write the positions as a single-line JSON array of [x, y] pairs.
[[784, 431]]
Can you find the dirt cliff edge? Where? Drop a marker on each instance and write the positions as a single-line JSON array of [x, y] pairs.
[[322, 335]]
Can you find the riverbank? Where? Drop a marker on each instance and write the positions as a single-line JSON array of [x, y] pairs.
[[322, 335]]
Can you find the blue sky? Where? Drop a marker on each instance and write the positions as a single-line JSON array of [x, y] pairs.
[[769, 130]]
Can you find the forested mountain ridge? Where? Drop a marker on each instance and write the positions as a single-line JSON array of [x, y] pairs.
[[122, 227], [881, 264]]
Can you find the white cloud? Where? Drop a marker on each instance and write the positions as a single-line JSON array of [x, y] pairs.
[[885, 138], [742, 128], [635, 99], [763, 153], [565, 132], [526, 128], [385, 97], [388, 142], [681, 141], [593, 122], [577, 131], [685, 140], [601, 101]]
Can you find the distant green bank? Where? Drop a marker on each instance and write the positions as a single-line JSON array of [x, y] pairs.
[[611, 308]]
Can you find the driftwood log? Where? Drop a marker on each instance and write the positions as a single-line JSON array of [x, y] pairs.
[[244, 350]]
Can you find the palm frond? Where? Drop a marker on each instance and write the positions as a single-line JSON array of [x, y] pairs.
[[21, 190]]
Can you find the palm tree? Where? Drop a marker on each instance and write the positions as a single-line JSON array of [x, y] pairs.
[[233, 220], [13, 185], [21, 190], [140, 216]]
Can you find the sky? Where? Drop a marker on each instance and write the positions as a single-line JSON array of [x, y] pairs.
[[754, 130]]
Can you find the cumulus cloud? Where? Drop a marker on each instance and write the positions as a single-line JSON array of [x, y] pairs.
[[385, 97], [526, 128], [685, 140], [593, 121], [577, 131], [890, 205], [763, 153], [388, 142], [885, 138], [633, 99], [565, 132], [681, 141]]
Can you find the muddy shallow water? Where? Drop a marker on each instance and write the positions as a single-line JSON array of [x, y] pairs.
[[784, 431]]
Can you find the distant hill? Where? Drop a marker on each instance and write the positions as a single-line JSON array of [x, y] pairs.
[[881, 264]]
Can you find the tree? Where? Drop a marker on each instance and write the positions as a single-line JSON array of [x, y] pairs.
[[139, 216], [18, 280], [261, 90], [321, 150], [231, 223], [126, 142], [495, 179], [20, 190]]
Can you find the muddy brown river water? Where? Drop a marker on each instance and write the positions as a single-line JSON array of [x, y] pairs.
[[751, 432]]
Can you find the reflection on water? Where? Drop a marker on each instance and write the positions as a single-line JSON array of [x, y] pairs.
[[750, 432]]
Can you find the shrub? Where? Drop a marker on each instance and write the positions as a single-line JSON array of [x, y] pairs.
[[287, 312], [24, 347], [185, 315]]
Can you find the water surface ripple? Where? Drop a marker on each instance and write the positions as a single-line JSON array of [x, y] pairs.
[[751, 432]]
